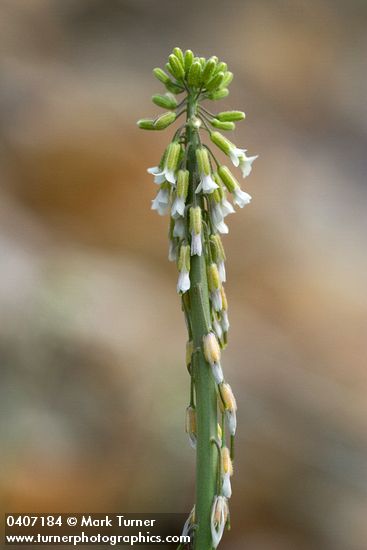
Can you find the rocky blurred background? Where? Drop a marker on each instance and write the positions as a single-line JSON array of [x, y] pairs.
[[94, 386]]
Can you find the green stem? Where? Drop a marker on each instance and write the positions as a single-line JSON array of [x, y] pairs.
[[206, 396]]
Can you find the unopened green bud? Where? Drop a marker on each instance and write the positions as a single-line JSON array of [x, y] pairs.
[[161, 75], [167, 101], [146, 124], [189, 57], [164, 120], [222, 142], [195, 219], [184, 258], [209, 70], [222, 66], [178, 53], [215, 82], [228, 77], [202, 158], [222, 125], [216, 196], [194, 76], [173, 155], [228, 178], [182, 183], [218, 94], [202, 62], [213, 277], [173, 88], [230, 116], [175, 67]]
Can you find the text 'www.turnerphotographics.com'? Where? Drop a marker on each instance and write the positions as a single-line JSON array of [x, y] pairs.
[[99, 529]]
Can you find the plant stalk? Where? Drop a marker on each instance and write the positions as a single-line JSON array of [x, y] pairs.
[[206, 396]]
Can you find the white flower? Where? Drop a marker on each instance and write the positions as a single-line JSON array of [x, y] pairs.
[[217, 372], [218, 218], [216, 298], [226, 207], [183, 283], [222, 271], [179, 228], [178, 207], [236, 154], [218, 519], [207, 184], [246, 164], [161, 202], [196, 244], [231, 421], [226, 485], [217, 328], [241, 198], [157, 173], [224, 321]]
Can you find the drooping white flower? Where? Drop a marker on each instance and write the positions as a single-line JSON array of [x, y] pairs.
[[157, 173], [217, 372], [183, 283], [222, 271], [226, 472], [217, 326], [215, 285], [195, 228], [207, 184], [229, 406], [178, 207], [241, 198], [218, 218], [161, 201], [235, 154], [246, 164], [224, 321], [218, 519], [226, 207], [179, 228]]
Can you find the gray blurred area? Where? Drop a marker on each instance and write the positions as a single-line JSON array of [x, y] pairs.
[[92, 338]]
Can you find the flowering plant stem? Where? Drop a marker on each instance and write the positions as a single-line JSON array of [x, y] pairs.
[[206, 393]]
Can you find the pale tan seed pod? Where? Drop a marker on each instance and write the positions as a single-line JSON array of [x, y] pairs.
[[211, 348]]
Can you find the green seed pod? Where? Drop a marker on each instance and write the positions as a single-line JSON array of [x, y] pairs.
[[178, 53], [189, 57], [175, 67], [195, 219], [218, 94], [209, 70], [173, 155], [146, 124], [222, 142], [230, 116], [161, 75], [202, 158], [164, 120], [228, 77], [215, 82], [194, 77], [167, 101], [222, 125], [182, 183]]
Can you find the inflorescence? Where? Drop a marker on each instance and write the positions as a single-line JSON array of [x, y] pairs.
[[196, 201]]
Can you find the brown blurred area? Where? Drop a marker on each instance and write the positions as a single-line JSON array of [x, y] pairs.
[[92, 338]]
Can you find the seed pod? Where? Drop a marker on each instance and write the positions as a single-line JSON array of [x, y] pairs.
[[230, 116], [194, 76], [222, 125], [228, 178], [167, 101], [164, 120]]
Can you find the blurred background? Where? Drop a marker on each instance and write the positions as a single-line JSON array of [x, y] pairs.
[[92, 338]]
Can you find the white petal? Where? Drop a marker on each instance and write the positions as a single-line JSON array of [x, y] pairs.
[[231, 421], [179, 228], [226, 486], [172, 251], [183, 283], [227, 208], [222, 272], [241, 197], [216, 298], [208, 184], [217, 328], [222, 228], [217, 529], [196, 244], [170, 176], [224, 321], [235, 153], [246, 164], [218, 374], [178, 207]]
